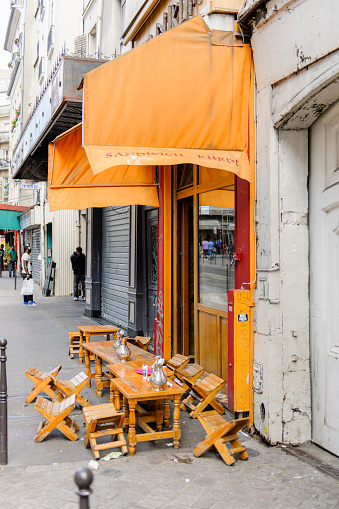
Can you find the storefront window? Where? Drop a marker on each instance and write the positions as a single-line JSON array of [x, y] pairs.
[[184, 176], [216, 247]]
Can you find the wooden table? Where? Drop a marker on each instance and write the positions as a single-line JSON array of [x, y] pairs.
[[136, 390], [86, 331], [104, 351]]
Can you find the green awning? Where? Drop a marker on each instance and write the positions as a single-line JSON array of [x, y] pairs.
[[9, 220]]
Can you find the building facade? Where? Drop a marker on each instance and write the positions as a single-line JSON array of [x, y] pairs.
[[296, 337], [44, 102], [4, 135]]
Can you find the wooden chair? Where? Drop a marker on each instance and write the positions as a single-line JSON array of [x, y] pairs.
[[56, 416], [74, 344], [140, 341], [203, 392], [65, 389], [42, 381], [104, 421], [219, 432], [178, 362], [191, 372]]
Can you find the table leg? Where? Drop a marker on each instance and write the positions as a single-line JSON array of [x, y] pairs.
[[98, 376], [111, 389], [176, 422], [131, 430], [88, 367], [126, 412], [159, 415], [108, 337], [81, 350], [166, 412]]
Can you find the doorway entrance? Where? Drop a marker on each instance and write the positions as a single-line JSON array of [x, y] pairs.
[[324, 278], [151, 261], [203, 265]]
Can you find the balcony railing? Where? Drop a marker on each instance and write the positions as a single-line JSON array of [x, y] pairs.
[[4, 136], [4, 163], [4, 110], [50, 41]]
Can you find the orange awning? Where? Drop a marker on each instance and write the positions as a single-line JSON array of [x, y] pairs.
[[73, 185], [182, 97]]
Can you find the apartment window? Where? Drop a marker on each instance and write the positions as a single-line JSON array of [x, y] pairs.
[[50, 42], [37, 55], [41, 70]]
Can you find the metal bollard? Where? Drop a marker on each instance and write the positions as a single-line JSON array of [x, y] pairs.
[[83, 478], [3, 404]]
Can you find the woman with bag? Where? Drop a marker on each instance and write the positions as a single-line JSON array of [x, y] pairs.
[[28, 283]]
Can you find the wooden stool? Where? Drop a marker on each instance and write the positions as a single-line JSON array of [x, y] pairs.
[[104, 421], [140, 341], [66, 388], [74, 344], [219, 432], [191, 372], [203, 393], [43, 382], [56, 416], [178, 361]]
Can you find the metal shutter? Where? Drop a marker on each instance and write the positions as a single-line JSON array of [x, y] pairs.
[[36, 264], [115, 265]]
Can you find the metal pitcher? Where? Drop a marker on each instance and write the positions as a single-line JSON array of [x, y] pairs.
[[158, 379], [117, 342], [123, 352]]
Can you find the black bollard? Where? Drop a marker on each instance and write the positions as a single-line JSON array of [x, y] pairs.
[[3, 404], [83, 479]]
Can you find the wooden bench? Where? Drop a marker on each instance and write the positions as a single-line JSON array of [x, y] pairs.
[[74, 344], [65, 389], [56, 416], [42, 381], [140, 341], [203, 393], [219, 432], [104, 421]]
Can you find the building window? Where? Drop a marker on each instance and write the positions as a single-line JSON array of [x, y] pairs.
[[50, 42], [41, 70]]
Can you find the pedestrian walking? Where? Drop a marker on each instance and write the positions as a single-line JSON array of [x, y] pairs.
[[230, 250], [78, 260], [2, 256], [205, 247], [211, 249], [28, 284], [13, 255]]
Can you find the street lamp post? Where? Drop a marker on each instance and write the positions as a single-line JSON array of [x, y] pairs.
[[3, 404]]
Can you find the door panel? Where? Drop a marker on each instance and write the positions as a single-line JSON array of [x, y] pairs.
[[151, 271], [209, 346], [324, 279]]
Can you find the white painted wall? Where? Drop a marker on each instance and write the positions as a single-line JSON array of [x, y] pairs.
[[295, 52]]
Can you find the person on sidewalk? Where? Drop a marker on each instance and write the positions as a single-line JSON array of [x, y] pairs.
[[78, 260], [2, 256], [13, 255], [27, 274]]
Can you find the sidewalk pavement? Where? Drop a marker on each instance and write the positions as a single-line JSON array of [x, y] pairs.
[[157, 476]]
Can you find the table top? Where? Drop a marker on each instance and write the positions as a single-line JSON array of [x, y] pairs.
[[133, 387], [94, 329], [127, 369], [105, 350]]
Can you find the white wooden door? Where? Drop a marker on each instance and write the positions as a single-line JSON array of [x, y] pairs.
[[324, 278]]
